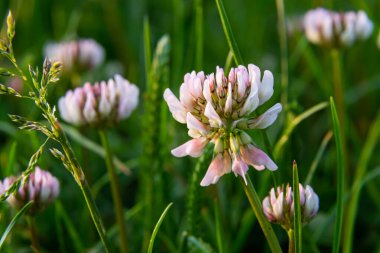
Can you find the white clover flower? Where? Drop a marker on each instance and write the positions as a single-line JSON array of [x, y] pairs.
[[82, 54], [217, 109], [100, 104], [42, 187], [278, 206], [333, 29]]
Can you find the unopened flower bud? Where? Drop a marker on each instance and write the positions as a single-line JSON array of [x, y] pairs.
[[101, 104], [278, 206], [42, 187]]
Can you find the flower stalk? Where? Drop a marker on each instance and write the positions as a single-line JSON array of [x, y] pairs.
[[33, 234], [257, 209], [291, 241], [115, 192]]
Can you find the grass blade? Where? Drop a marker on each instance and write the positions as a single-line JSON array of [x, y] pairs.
[[318, 157], [11, 160], [340, 177], [228, 32], [365, 156], [13, 222], [295, 122], [157, 227], [297, 211]]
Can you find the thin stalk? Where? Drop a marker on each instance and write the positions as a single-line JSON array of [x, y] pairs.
[[80, 178], [284, 51], [339, 97], [364, 159], [115, 193], [255, 202], [33, 234], [297, 211], [291, 240]]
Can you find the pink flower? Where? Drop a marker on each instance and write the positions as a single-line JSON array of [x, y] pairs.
[[100, 104], [82, 54], [217, 108], [328, 28], [42, 187], [278, 206]]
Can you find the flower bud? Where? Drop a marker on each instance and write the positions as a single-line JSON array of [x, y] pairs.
[[101, 104], [278, 207], [42, 187]]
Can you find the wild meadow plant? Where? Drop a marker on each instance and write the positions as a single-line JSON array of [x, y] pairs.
[[132, 193]]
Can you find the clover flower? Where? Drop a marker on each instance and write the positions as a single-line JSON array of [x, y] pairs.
[[218, 109], [101, 104], [328, 28], [82, 54], [42, 187], [278, 206]]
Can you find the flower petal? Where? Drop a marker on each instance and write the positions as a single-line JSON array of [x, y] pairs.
[[239, 167], [266, 87], [256, 158], [212, 116], [176, 108], [266, 119], [192, 148], [218, 167], [252, 101], [196, 128]]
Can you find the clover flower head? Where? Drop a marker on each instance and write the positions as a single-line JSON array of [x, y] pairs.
[[217, 108], [333, 29], [278, 206], [42, 187], [82, 54], [101, 104]]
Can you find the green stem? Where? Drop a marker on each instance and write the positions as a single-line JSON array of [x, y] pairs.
[[291, 240], [80, 178], [284, 51], [33, 234], [339, 96], [257, 209], [115, 193]]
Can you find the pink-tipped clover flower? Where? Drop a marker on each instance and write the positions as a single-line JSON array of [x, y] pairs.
[[218, 108], [101, 104]]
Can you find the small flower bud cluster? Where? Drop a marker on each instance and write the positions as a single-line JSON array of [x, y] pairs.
[[217, 108], [278, 207], [42, 187], [83, 54], [101, 104], [333, 29]]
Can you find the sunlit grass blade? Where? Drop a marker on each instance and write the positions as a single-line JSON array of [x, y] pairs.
[[340, 177], [198, 34], [365, 156], [157, 227], [297, 211], [228, 32], [13, 222], [255, 202], [295, 122], [318, 157], [218, 228]]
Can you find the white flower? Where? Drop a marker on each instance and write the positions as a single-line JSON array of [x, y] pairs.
[[76, 54], [100, 104], [217, 109], [328, 28]]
